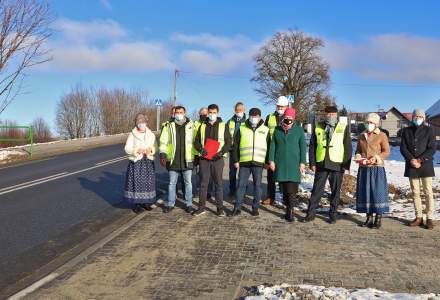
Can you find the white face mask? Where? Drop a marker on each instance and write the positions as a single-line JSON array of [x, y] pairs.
[[280, 111], [179, 117], [239, 115], [371, 127], [254, 121], [142, 126], [212, 117]]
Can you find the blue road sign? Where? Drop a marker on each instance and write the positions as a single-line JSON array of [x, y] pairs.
[[158, 102], [291, 98]]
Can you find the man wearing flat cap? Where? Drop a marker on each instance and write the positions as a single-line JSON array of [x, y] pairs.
[[330, 152]]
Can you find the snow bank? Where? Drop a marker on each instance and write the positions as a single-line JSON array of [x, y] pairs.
[[287, 292], [7, 154]]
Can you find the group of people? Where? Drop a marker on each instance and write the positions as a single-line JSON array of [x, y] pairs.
[[279, 145]]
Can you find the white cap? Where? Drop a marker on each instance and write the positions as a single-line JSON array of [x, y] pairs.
[[282, 101]]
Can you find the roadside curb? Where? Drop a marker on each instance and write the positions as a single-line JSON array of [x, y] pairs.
[[76, 260]]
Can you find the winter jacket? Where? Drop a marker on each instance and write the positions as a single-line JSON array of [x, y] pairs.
[[137, 140], [418, 142], [288, 151], [373, 145], [211, 131]]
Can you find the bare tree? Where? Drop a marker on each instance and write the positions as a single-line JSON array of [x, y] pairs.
[[72, 113], [41, 131], [24, 29], [290, 64]]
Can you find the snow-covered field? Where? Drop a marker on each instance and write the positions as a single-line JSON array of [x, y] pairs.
[[395, 167], [287, 292], [7, 154]]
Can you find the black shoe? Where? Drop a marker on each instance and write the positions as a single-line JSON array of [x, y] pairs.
[[198, 212], [368, 222], [147, 207], [236, 212], [332, 219], [221, 213], [308, 218], [255, 212], [168, 209], [189, 209], [137, 209], [289, 216], [378, 221]]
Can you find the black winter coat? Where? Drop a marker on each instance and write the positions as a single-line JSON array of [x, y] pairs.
[[418, 142]]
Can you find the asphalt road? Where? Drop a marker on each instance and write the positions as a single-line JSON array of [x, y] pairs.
[[50, 206]]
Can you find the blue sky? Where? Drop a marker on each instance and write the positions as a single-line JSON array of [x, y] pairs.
[[381, 53]]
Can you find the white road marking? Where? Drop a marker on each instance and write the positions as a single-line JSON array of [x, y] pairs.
[[32, 181], [111, 160], [56, 176], [34, 287]]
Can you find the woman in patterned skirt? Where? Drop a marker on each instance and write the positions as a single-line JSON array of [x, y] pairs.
[[140, 180], [372, 187]]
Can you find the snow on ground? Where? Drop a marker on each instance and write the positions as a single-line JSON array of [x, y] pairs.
[[287, 292], [6, 154], [399, 208]]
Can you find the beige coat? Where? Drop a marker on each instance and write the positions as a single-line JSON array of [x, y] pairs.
[[376, 145], [137, 140]]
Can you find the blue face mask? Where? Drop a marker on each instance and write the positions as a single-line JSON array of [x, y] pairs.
[[418, 122]]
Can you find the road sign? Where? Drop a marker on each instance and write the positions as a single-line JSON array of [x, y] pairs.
[[291, 98], [158, 102]]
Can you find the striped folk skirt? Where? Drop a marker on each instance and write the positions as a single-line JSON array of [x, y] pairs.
[[372, 191], [140, 182]]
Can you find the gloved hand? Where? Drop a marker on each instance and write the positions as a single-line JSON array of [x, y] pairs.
[[217, 156], [204, 152]]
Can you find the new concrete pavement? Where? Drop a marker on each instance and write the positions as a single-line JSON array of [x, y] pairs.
[[50, 207]]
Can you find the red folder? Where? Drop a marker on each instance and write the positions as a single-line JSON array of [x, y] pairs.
[[212, 147]]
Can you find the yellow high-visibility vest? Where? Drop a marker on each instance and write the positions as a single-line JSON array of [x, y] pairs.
[[167, 142], [336, 146], [221, 135], [253, 144]]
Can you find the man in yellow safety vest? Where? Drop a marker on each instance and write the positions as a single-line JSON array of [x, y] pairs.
[[213, 128], [177, 155], [233, 126], [330, 152], [250, 155]]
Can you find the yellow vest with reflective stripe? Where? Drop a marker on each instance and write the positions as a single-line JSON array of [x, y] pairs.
[[167, 141], [253, 144], [221, 135], [336, 146], [272, 123]]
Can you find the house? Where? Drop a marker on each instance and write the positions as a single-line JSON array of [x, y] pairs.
[[393, 121], [433, 118]]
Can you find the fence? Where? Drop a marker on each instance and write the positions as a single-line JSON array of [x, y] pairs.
[[28, 138]]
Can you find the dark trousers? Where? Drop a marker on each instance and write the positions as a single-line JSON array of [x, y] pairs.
[[270, 185], [210, 169], [232, 175], [289, 190], [335, 180], [257, 174]]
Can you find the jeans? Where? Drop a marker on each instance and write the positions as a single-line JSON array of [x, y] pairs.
[[257, 174], [174, 175], [232, 175]]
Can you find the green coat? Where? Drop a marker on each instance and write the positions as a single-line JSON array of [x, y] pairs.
[[288, 151]]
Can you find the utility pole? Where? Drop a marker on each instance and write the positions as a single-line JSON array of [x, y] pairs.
[[176, 73]]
